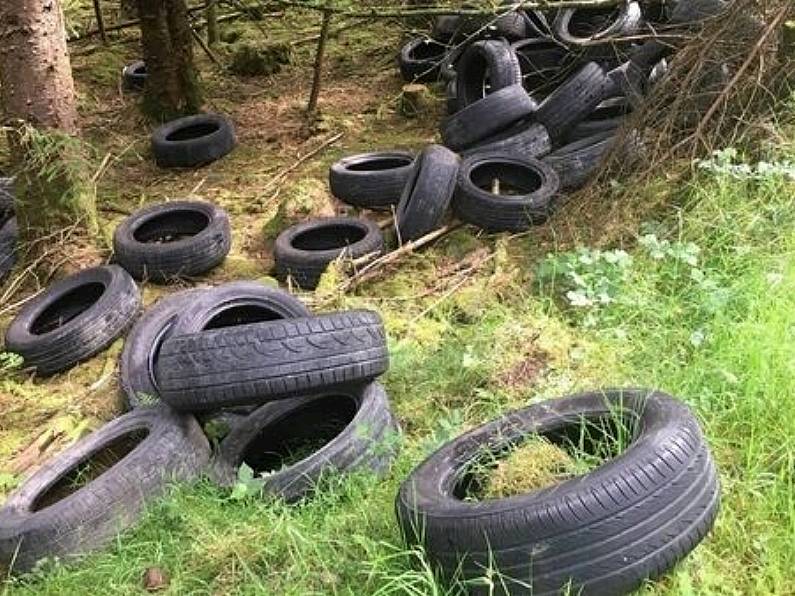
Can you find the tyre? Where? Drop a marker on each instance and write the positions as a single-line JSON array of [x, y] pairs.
[[421, 60], [571, 103], [485, 67], [451, 98], [577, 162], [427, 193], [486, 117], [694, 11], [256, 363], [603, 532], [304, 251], [170, 241], [348, 430], [74, 319], [371, 180], [6, 199], [193, 141], [545, 65], [134, 76], [524, 139], [9, 236], [608, 116], [141, 348], [80, 500], [527, 187], [575, 26], [448, 70]]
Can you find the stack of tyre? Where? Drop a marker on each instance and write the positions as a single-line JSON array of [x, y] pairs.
[[275, 389], [536, 101]]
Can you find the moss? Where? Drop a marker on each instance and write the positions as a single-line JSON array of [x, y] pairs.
[[251, 61], [536, 464]]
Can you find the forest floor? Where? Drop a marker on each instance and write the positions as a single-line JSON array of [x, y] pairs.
[[698, 300]]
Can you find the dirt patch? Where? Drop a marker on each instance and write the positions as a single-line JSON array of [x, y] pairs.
[[528, 371]]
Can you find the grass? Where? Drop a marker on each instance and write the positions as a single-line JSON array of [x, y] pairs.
[[701, 306], [720, 339]]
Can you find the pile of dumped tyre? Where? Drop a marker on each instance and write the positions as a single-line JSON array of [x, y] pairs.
[[216, 379]]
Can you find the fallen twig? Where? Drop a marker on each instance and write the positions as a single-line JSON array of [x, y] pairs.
[[373, 268]]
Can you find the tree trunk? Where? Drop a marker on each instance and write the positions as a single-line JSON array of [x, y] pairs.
[[38, 99], [172, 89]]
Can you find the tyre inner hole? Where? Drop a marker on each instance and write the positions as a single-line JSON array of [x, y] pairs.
[[67, 307], [300, 433], [428, 50], [538, 461], [329, 237], [380, 163], [194, 131], [242, 315], [90, 468], [140, 70], [506, 179], [585, 23], [171, 227]]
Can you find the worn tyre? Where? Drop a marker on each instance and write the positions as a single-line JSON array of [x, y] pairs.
[[141, 348], [6, 199], [577, 162], [170, 241], [421, 60], [485, 67], [571, 103], [545, 65], [9, 237], [525, 139], [49, 517], [356, 427], [256, 363], [371, 180], [532, 184], [303, 252], [427, 193], [575, 26], [604, 532], [608, 116], [486, 117], [74, 319], [193, 141], [134, 76]]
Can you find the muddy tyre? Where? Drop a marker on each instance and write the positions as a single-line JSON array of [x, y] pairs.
[[261, 362], [142, 452], [533, 186], [427, 193], [604, 532], [577, 162], [170, 241], [357, 428], [74, 319], [371, 180], [304, 251], [193, 141]]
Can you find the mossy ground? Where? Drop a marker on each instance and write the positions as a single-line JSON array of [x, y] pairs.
[[471, 336]]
